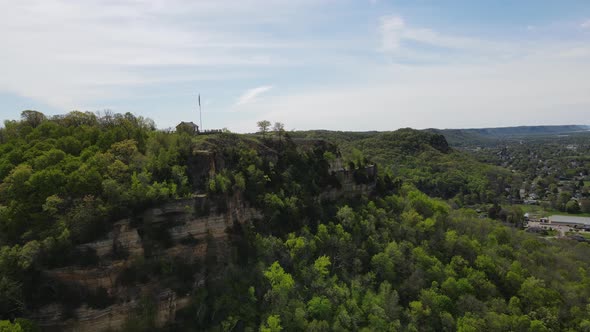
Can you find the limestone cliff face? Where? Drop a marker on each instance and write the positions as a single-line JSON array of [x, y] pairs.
[[187, 225], [350, 187], [183, 220], [122, 235], [110, 318]]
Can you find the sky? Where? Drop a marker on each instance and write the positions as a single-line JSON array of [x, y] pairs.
[[312, 64]]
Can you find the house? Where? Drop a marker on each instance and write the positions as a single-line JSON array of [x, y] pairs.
[[187, 127]]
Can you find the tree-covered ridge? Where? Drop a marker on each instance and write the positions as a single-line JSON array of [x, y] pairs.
[[64, 180], [520, 131], [489, 137], [67, 179], [64, 173], [426, 160], [403, 262], [281, 177]]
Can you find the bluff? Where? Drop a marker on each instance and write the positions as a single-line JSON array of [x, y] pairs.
[[164, 254]]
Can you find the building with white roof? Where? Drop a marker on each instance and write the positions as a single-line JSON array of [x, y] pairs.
[[569, 221]]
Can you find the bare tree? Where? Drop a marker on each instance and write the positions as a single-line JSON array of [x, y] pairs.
[[279, 129]]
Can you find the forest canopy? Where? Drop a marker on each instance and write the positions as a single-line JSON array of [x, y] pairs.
[[402, 251]]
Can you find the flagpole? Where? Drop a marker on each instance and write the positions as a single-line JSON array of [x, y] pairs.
[[200, 114]]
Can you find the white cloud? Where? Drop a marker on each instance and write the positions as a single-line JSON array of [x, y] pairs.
[[70, 54], [252, 94], [585, 25], [392, 30]]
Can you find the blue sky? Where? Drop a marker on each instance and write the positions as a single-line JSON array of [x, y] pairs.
[[324, 64]]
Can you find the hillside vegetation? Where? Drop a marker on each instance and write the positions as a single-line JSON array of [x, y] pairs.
[[400, 254], [426, 160]]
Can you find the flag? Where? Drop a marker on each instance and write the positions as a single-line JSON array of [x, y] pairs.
[[199, 100]]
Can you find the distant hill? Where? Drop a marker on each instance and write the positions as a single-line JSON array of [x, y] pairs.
[[382, 146], [526, 130], [483, 136], [424, 158]]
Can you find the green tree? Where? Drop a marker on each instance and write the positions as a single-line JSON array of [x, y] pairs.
[[27, 325], [263, 126], [470, 323], [321, 266], [534, 294], [11, 297], [7, 326], [281, 283], [515, 216], [572, 207], [319, 307], [562, 200], [125, 150], [33, 118], [272, 324]]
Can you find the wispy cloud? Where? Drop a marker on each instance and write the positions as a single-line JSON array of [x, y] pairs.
[[399, 38], [72, 54], [252, 95], [585, 25], [511, 83], [392, 32], [519, 92]]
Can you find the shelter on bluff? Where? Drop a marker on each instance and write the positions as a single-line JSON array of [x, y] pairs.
[[187, 127]]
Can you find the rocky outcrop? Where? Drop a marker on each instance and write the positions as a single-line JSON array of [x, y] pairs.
[[182, 216], [122, 237], [52, 317], [191, 228], [215, 224], [91, 278], [350, 186]]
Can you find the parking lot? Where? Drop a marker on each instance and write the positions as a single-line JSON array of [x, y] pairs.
[[561, 230]]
